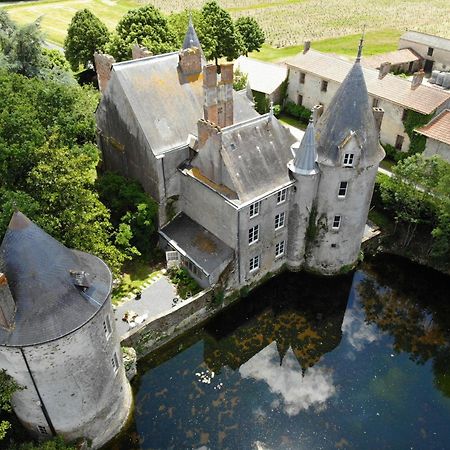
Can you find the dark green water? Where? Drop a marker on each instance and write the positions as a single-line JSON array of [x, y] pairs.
[[355, 362]]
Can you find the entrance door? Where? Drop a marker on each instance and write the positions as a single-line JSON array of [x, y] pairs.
[[428, 66]]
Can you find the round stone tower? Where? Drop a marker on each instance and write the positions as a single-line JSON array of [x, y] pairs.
[[58, 338], [304, 169], [348, 155]]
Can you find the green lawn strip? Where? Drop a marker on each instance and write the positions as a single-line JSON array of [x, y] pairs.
[[136, 274], [263, 5], [289, 120], [375, 42]]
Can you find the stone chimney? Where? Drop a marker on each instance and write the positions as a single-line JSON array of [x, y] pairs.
[[306, 46], [417, 79], [317, 111], [384, 69], [210, 93], [7, 304], [103, 64], [138, 52], [190, 62], [378, 114], [206, 129], [225, 104]]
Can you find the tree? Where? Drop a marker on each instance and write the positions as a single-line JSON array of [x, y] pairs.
[[144, 26], [252, 34], [85, 35], [219, 26], [7, 388], [240, 80], [20, 47]]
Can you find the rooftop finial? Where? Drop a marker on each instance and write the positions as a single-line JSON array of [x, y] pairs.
[[361, 43]]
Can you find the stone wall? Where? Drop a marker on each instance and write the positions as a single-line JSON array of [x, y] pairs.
[[161, 329]]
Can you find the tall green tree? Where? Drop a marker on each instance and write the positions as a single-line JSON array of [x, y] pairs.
[[145, 26], [219, 26], [252, 34], [85, 35]]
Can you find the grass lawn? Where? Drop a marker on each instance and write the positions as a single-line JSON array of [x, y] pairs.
[[289, 120], [136, 273], [375, 42], [387, 164]]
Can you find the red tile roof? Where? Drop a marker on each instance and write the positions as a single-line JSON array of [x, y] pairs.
[[438, 128]]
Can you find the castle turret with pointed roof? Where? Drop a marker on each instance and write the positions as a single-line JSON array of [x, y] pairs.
[[348, 155], [58, 339]]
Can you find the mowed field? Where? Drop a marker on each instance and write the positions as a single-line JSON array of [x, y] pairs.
[[287, 23]]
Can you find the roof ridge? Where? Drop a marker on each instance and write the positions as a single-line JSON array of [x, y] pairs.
[[131, 61], [246, 122]]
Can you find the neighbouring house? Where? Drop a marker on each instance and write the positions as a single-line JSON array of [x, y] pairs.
[[315, 77], [246, 197], [400, 61], [58, 338], [264, 78], [437, 132], [434, 50]]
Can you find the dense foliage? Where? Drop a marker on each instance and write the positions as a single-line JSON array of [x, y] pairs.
[[412, 121], [186, 285], [85, 35], [252, 34], [131, 208], [7, 388], [48, 164], [240, 80], [297, 111], [145, 26], [418, 194]]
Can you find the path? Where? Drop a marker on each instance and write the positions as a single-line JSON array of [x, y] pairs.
[[156, 299]]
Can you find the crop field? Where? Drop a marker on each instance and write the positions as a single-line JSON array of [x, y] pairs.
[[287, 23]]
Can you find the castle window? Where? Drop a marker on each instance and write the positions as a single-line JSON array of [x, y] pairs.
[[254, 263], [107, 327], [324, 86], [430, 51], [404, 115], [342, 189], [348, 159], [375, 102], [302, 78], [279, 249], [115, 362], [42, 430], [399, 142], [253, 234], [281, 196], [336, 222], [299, 100], [279, 220], [254, 209]]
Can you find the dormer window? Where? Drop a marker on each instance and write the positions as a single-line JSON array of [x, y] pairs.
[[348, 159]]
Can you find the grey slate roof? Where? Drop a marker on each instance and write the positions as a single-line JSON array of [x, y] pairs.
[[191, 38], [203, 247], [349, 112], [256, 154], [304, 162], [165, 103], [48, 304], [427, 39]]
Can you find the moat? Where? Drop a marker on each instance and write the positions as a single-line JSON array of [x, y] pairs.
[[356, 362]]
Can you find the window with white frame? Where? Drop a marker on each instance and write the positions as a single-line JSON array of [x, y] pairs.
[[107, 327], [279, 249], [254, 263], [348, 159], [115, 362], [281, 196], [254, 209], [253, 234], [336, 222], [342, 189], [279, 220]]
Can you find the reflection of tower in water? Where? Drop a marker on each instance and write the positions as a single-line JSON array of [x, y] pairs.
[[300, 312]]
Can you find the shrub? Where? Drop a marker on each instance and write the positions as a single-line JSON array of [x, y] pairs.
[[186, 285], [297, 111]]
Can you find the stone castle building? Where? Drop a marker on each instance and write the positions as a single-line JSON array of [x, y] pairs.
[[58, 339], [239, 197]]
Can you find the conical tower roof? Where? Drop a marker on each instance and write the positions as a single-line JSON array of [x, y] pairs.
[[349, 112], [56, 290], [304, 162], [191, 38]]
